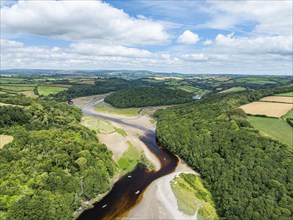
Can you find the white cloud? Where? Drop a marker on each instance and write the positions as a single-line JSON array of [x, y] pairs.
[[194, 57], [80, 20], [108, 50], [281, 45], [266, 17], [188, 37]]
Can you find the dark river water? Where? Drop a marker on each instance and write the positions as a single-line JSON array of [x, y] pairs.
[[128, 190]]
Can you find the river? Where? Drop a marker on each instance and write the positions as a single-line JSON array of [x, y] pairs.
[[129, 189]]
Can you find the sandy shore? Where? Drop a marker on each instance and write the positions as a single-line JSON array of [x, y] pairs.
[[160, 199]]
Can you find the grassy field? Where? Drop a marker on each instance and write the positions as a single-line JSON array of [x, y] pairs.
[[99, 125], [188, 88], [106, 108], [275, 128], [18, 87], [234, 89], [5, 80], [289, 94], [5, 139], [131, 157], [255, 80], [47, 90], [192, 196]]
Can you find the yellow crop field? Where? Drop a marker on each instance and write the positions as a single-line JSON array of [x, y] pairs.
[[283, 99], [271, 109]]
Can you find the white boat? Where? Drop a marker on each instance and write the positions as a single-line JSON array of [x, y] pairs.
[[104, 206], [137, 192], [129, 176]]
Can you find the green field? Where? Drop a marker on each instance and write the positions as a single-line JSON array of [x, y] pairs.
[[290, 94], [255, 80], [131, 157], [275, 128], [5, 80], [99, 125], [18, 87], [192, 196], [107, 108], [234, 89], [47, 90], [188, 88]]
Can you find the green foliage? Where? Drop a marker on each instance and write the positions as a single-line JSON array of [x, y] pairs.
[[52, 164], [147, 96], [249, 175]]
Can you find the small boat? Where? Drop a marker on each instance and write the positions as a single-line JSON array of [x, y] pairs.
[[104, 206], [137, 192], [129, 176]]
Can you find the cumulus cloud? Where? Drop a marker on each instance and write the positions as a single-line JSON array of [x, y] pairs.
[[80, 20], [188, 37]]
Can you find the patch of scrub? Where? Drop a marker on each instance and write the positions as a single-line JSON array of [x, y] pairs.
[[121, 131], [131, 157], [99, 125], [192, 197], [5, 139]]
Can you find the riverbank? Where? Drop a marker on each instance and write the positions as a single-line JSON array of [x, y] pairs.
[[158, 196]]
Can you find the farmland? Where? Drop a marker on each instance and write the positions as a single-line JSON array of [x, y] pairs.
[[49, 90], [289, 94], [275, 128], [282, 99], [270, 109]]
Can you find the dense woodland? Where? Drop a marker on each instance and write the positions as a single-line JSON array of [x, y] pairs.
[[53, 162], [250, 175], [147, 96]]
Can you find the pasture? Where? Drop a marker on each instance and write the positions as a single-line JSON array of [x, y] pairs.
[[270, 109], [273, 127], [282, 99], [234, 89], [289, 94], [17, 87], [48, 90]]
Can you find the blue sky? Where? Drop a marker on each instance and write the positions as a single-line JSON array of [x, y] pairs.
[[249, 37]]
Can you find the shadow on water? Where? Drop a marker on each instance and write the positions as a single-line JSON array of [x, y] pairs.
[[127, 191]]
